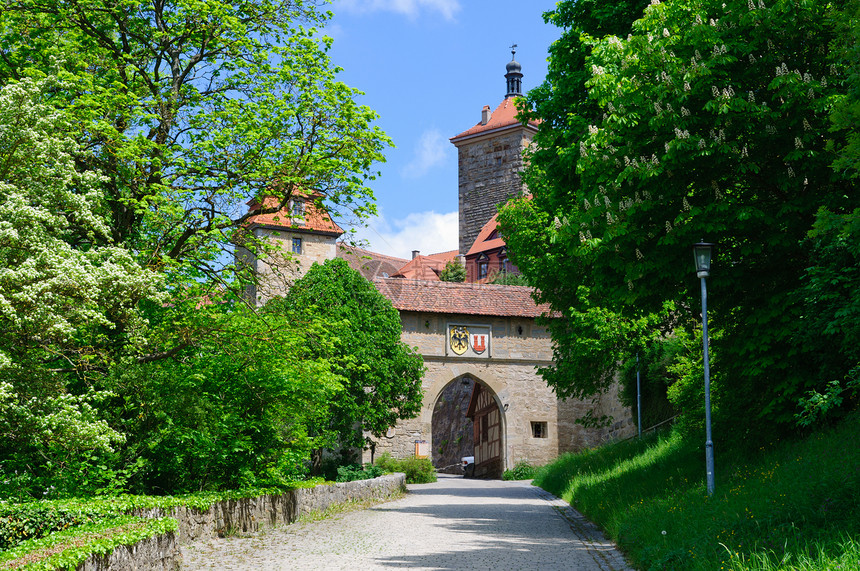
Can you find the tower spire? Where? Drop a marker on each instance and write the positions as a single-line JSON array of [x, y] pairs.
[[514, 75]]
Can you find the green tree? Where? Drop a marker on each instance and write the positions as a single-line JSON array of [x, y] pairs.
[[845, 117], [234, 411], [453, 271], [191, 109], [382, 375], [123, 179], [591, 336], [711, 123]]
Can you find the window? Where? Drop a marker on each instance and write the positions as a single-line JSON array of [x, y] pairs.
[[538, 430], [483, 265], [298, 208], [297, 245]]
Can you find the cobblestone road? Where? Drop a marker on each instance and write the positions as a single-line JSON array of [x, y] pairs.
[[452, 524]]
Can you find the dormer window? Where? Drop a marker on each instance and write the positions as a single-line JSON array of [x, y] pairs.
[[483, 266], [298, 211]]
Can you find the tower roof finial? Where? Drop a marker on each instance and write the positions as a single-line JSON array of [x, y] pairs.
[[514, 75]]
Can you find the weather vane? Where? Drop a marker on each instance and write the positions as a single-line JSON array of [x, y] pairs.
[[514, 50]]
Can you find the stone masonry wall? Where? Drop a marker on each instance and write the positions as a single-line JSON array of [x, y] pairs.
[[251, 514], [518, 347], [488, 176], [161, 552], [156, 553], [279, 271]]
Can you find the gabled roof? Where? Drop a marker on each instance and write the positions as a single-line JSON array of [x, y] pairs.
[[444, 256], [488, 238], [420, 268], [460, 298], [504, 116], [370, 264], [314, 219]]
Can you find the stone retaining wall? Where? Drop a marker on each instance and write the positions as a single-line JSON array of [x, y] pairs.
[[247, 515], [156, 553]]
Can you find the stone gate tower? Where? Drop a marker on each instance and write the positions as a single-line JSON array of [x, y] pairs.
[[490, 158]]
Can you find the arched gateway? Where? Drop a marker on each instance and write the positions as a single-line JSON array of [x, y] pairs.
[[487, 334]]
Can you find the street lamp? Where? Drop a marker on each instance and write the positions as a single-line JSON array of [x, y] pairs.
[[702, 254]]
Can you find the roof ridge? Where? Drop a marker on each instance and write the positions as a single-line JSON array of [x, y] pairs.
[[444, 284], [376, 254]]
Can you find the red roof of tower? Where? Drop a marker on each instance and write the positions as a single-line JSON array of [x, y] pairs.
[[504, 116], [314, 219]]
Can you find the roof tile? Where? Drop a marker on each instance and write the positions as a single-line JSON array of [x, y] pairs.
[[314, 219], [504, 116], [460, 298]]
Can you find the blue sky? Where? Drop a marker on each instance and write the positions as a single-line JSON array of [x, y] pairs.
[[428, 67]]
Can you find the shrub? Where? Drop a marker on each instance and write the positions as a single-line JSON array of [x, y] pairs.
[[522, 471], [355, 472], [417, 470]]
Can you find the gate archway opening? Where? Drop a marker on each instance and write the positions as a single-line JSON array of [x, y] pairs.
[[454, 435]]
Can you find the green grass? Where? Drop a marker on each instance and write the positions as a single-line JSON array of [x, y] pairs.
[[790, 505]]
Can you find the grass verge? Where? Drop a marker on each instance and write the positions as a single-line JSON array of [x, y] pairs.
[[789, 505]]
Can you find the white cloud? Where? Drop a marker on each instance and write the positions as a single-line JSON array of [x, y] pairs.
[[431, 150], [409, 8], [429, 232], [333, 30]]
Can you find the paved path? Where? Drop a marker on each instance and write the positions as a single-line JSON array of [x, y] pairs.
[[452, 524]]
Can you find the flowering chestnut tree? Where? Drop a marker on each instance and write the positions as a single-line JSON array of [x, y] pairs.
[[708, 120]]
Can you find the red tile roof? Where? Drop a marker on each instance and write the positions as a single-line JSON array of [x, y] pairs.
[[460, 298], [444, 256], [314, 219], [482, 242], [421, 268], [504, 116], [369, 264]]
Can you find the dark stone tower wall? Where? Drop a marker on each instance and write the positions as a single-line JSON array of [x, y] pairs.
[[489, 174]]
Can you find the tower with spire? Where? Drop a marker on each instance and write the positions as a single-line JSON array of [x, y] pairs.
[[490, 159], [514, 75]]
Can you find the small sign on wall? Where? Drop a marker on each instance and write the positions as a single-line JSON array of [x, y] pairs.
[[422, 449], [468, 340]]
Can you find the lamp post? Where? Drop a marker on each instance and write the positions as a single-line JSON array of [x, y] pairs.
[[702, 254]]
